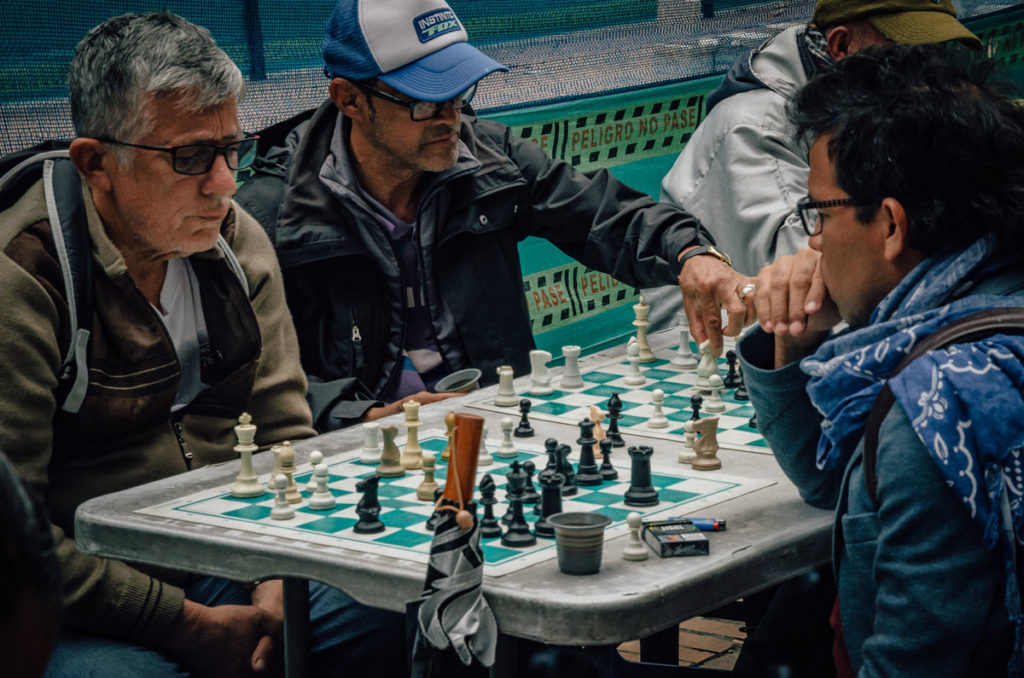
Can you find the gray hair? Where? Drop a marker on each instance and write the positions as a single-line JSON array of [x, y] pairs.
[[128, 58]]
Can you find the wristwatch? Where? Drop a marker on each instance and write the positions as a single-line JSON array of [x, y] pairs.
[[706, 249]]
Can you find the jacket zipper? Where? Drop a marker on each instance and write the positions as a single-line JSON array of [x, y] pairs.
[[186, 454], [357, 349]]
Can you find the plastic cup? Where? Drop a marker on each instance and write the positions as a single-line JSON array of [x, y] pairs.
[[579, 539]]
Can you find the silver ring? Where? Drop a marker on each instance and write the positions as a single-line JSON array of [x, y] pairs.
[[747, 289]]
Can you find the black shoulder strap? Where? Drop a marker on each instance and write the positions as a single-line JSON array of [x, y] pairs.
[[969, 328]]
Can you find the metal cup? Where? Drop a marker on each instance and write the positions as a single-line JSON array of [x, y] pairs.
[[579, 539]]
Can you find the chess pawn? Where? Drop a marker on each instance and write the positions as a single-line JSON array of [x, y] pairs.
[[282, 508], [507, 449], [540, 375], [390, 459], [641, 311], [412, 453], [634, 549], [316, 457], [506, 396], [449, 423], [658, 419], [715, 402], [608, 471], [634, 377], [485, 458], [322, 499], [571, 377], [287, 459], [370, 453], [246, 484], [706, 446], [684, 358], [686, 453], [425, 490]]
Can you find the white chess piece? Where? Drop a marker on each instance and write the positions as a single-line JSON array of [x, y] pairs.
[[282, 508], [507, 449], [485, 458], [322, 499], [686, 453], [641, 310], [658, 419], [286, 456], [506, 396], [707, 366], [371, 447], [634, 377], [634, 549], [412, 453], [246, 484], [425, 490], [571, 377], [316, 457], [715, 402], [684, 358], [540, 375]]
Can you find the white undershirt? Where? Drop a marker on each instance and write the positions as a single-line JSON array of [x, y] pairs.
[[183, 318]]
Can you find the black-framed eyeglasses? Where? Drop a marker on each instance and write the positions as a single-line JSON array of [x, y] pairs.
[[195, 159], [811, 219], [421, 110]]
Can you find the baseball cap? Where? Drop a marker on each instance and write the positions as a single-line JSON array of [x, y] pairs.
[[910, 22], [419, 47]]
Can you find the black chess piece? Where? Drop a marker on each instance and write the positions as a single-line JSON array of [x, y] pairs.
[[741, 390], [551, 446], [515, 488], [614, 412], [641, 492], [518, 533], [489, 525], [368, 508], [608, 471], [565, 468], [530, 494], [551, 482], [732, 377], [436, 515], [695, 402], [524, 430], [587, 473], [753, 422]]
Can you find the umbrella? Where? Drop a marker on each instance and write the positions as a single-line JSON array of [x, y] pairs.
[[455, 631]]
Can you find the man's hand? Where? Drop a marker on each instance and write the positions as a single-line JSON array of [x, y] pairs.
[[423, 398], [709, 285], [792, 303], [226, 640], [268, 596]]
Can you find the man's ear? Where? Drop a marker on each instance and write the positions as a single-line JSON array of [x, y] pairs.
[[348, 98], [838, 42], [896, 234], [92, 159]]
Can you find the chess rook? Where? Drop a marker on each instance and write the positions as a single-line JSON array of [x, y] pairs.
[[571, 377], [641, 492]]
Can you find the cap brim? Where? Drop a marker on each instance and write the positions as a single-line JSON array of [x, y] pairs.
[[918, 28], [443, 74]]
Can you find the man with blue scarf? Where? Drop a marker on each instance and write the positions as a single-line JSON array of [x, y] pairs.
[[915, 213]]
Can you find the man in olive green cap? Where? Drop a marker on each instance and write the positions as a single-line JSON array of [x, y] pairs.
[[743, 171]]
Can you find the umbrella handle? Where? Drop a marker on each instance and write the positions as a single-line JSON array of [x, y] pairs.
[[462, 464]]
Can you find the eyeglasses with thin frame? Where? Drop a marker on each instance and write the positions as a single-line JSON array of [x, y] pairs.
[[196, 159], [421, 110], [809, 216]]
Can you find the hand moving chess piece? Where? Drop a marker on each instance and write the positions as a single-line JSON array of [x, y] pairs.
[[540, 375], [706, 446], [247, 484]]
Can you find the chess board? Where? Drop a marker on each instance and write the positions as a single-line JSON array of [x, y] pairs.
[[682, 491], [570, 406]]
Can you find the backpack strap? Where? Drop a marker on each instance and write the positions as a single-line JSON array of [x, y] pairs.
[[69, 224], [969, 328]]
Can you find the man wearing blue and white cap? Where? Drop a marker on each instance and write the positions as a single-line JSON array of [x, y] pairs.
[[398, 232]]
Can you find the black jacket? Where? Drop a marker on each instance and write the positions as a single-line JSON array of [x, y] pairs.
[[343, 281]]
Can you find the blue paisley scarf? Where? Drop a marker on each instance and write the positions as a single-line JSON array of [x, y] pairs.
[[965, 402]]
